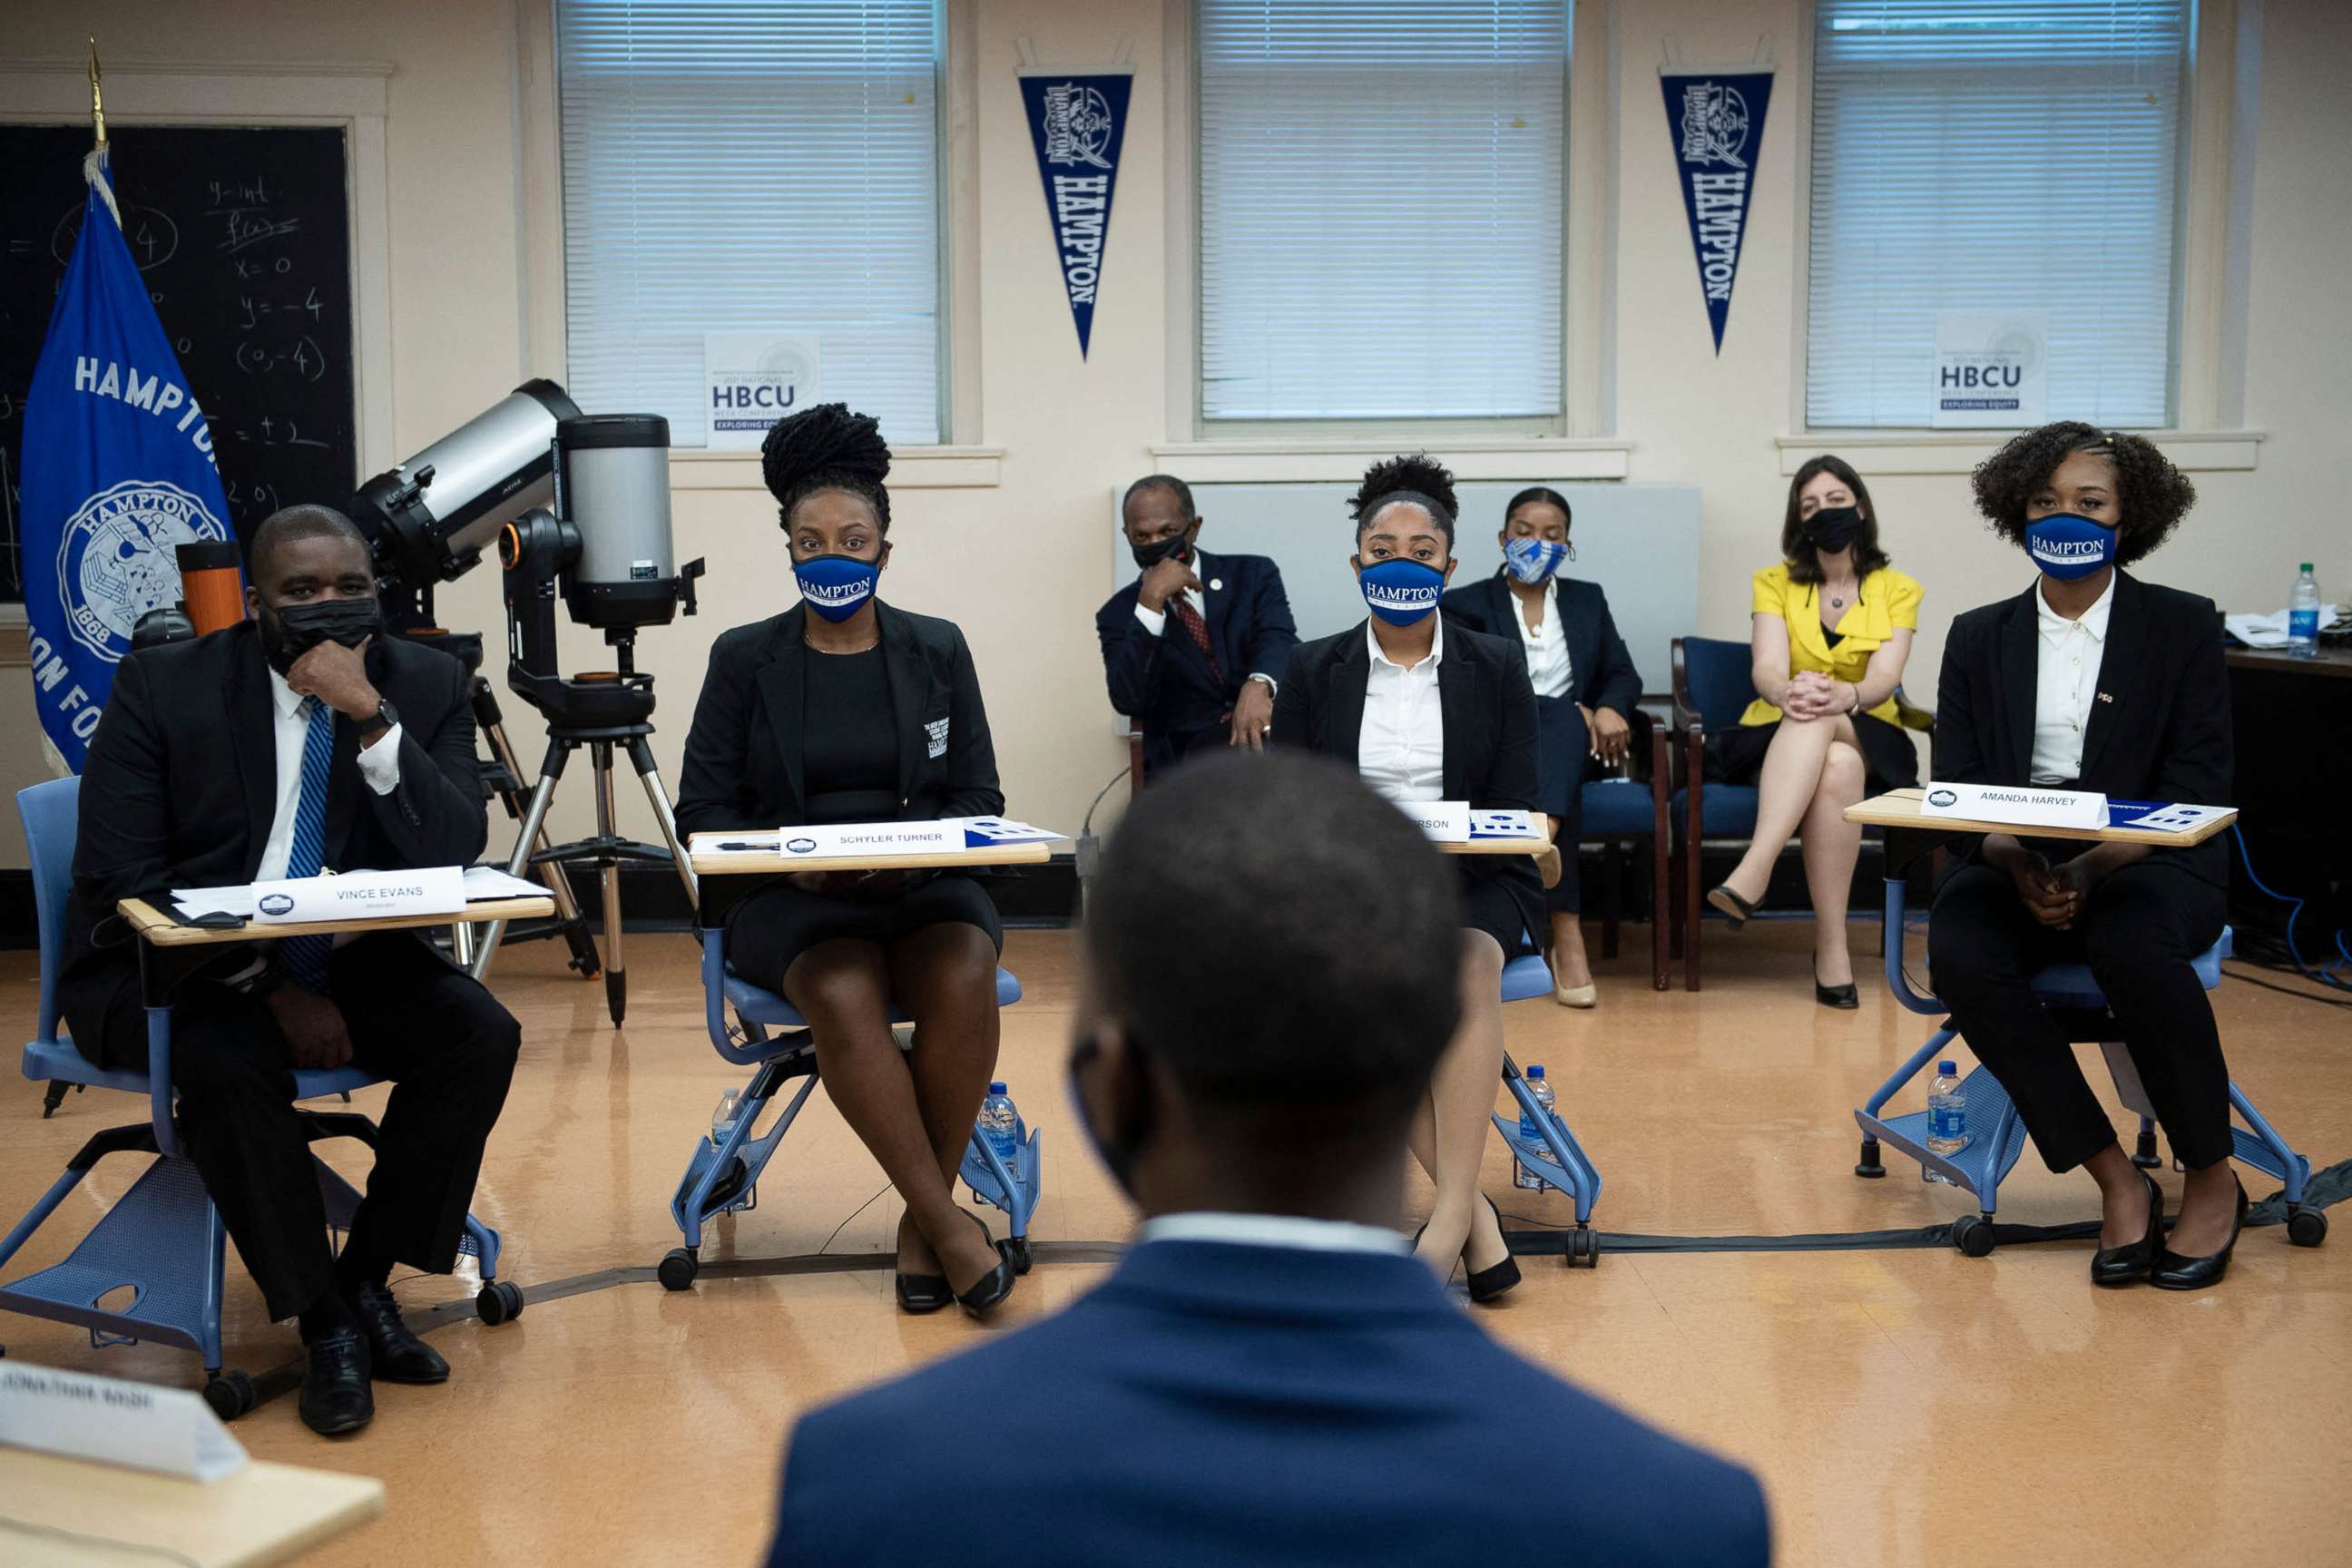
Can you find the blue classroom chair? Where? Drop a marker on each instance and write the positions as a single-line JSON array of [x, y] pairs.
[[723, 1176], [1996, 1133], [162, 1240], [1568, 1169]]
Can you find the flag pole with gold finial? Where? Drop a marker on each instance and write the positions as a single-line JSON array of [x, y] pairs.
[[97, 103], [94, 166]]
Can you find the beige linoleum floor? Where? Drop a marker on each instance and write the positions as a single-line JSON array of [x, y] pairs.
[[1902, 1406]]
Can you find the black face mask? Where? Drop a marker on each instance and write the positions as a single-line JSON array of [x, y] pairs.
[[1835, 527], [288, 634], [1120, 1147], [1176, 547]]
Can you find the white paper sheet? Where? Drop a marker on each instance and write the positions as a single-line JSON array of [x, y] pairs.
[[2270, 630], [484, 882]]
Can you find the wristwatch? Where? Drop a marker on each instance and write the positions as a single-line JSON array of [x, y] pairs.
[[386, 717]]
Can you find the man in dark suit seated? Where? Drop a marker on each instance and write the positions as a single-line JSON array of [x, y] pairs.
[[302, 740], [1196, 647], [1269, 1375]]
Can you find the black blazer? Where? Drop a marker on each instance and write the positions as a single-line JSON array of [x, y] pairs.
[[181, 787], [2159, 726], [1489, 710], [1601, 668], [1163, 682], [743, 767]]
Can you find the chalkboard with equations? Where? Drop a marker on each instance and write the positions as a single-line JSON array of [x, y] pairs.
[[242, 237]]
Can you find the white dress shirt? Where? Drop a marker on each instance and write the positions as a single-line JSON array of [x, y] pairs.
[[1401, 751], [379, 765], [2066, 684], [1156, 622], [1549, 664], [1273, 1230]]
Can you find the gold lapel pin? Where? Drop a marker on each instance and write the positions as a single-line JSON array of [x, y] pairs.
[[2104, 698]]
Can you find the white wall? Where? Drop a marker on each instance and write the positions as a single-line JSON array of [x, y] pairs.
[[1018, 561]]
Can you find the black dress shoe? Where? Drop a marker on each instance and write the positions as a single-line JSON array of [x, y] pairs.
[[988, 1292], [396, 1355], [1731, 904], [1843, 996], [1487, 1284], [2174, 1272], [336, 1397], [2130, 1262]]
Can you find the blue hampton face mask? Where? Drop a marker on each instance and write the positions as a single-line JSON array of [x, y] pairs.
[[1534, 560], [836, 585], [1400, 592], [2066, 546]]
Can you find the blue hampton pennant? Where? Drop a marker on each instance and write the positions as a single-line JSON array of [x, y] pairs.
[[1716, 121], [1077, 121]]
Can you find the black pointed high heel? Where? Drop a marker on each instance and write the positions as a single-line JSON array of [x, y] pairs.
[[1731, 904], [1843, 996], [2174, 1272], [2129, 1263], [1487, 1284], [921, 1293]]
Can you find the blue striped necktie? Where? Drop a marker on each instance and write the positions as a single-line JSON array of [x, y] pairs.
[[305, 957]]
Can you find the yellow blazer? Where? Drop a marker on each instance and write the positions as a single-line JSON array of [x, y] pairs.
[[1888, 599]]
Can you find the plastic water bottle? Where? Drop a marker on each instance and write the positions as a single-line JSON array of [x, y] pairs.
[[1947, 1117], [1531, 1132], [2303, 616], [1000, 1125], [722, 1120]]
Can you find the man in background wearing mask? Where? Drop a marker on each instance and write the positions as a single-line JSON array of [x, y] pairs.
[[299, 741], [1269, 1376], [1196, 647]]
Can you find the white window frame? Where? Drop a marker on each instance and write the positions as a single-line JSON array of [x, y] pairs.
[[2212, 267], [960, 460], [1578, 443]]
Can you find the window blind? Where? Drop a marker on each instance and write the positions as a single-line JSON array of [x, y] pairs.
[[1994, 156], [1381, 192], [751, 165]]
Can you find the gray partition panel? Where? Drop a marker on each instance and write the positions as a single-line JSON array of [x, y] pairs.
[[1640, 543]]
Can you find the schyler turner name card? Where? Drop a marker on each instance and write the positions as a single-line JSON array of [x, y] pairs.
[[103, 1418]]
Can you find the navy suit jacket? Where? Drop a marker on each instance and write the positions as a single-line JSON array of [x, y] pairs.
[[1163, 682], [1215, 1404], [1601, 672]]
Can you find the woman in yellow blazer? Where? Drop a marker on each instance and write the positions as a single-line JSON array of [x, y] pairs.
[[1834, 624]]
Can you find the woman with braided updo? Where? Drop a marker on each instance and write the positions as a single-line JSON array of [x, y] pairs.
[[1426, 712], [843, 709]]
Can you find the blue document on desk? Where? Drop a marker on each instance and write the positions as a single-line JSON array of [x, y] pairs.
[[2161, 817]]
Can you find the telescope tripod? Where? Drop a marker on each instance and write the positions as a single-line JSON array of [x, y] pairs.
[[503, 777], [607, 850]]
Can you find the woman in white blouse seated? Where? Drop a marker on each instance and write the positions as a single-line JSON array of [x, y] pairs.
[[1427, 713], [1585, 686]]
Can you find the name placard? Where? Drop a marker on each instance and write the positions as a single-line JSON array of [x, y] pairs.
[[863, 838], [2017, 805], [360, 895], [1444, 821], [170, 1430]]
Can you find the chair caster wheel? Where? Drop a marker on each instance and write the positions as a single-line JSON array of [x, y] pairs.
[[678, 1269], [230, 1394], [500, 1301], [2306, 1228], [1868, 1167], [1016, 1251], [1972, 1234], [1583, 1246]]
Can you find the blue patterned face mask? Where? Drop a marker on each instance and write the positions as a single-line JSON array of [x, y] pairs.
[[2067, 547], [1400, 592], [834, 587], [1534, 560]]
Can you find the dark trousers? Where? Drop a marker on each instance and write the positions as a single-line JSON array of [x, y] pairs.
[[1563, 761], [2139, 933], [444, 1043]]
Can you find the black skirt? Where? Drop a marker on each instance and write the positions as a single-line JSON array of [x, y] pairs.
[[779, 922], [1488, 905], [1735, 756]]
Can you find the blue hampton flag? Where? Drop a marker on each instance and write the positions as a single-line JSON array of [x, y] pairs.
[[1078, 123], [1716, 121], [118, 474]]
